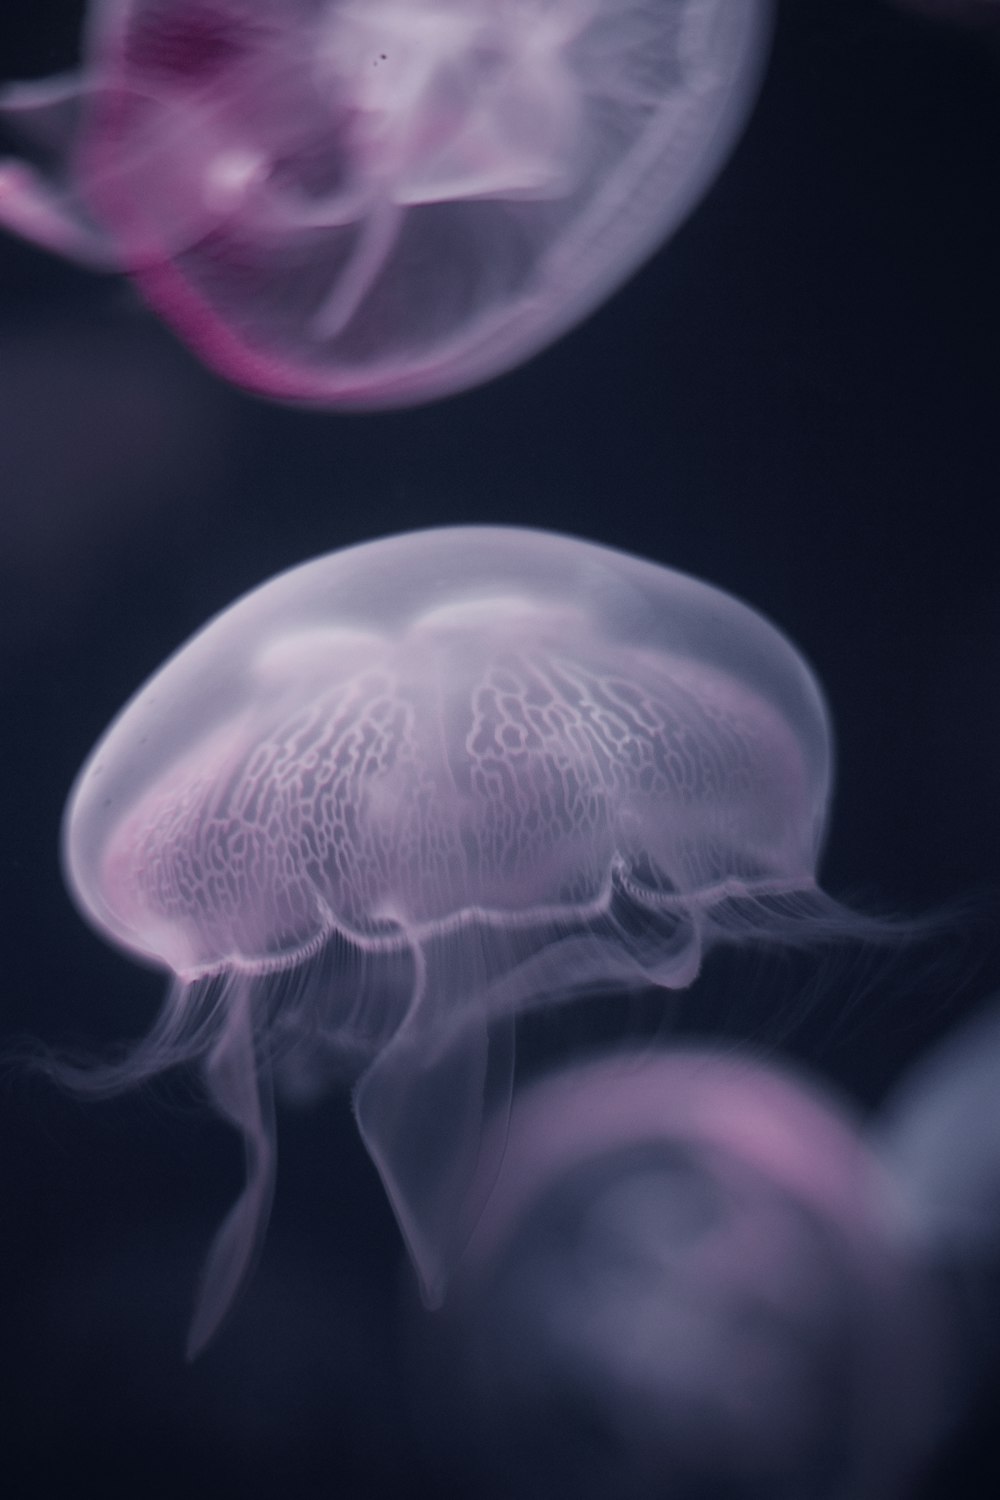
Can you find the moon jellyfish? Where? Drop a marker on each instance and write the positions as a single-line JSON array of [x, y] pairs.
[[940, 1135], [941, 1131], [401, 794], [686, 1283], [374, 202]]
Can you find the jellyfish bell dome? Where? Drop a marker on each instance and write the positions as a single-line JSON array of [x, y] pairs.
[[377, 202], [403, 793], [473, 719]]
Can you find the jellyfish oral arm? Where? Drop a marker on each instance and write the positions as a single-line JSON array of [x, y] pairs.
[[240, 1090], [34, 207], [374, 243], [421, 1110], [32, 210]]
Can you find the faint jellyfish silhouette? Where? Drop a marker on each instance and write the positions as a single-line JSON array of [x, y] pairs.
[[939, 1133], [940, 1129], [686, 1281], [400, 794], [374, 202]]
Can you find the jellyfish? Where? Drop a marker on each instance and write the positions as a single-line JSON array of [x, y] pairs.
[[939, 1133], [404, 793], [687, 1281], [372, 202]]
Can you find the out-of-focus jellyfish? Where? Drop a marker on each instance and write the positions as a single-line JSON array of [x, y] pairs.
[[687, 1282], [404, 792], [939, 1133], [375, 202]]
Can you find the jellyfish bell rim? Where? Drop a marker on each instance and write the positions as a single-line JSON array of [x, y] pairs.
[[637, 600], [403, 935]]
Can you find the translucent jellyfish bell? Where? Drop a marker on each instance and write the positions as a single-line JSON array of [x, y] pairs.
[[940, 1131], [375, 202], [939, 1134], [687, 1282], [397, 796]]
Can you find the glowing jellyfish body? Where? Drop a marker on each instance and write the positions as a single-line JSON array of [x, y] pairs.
[[402, 793], [686, 1282], [375, 202]]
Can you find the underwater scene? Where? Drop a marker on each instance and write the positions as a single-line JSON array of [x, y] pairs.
[[499, 645]]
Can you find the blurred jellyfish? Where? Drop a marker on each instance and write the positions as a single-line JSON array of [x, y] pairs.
[[405, 792], [686, 1282], [373, 202], [939, 1133]]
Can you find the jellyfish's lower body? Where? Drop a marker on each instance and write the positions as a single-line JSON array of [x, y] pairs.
[[421, 1109], [240, 1090], [421, 1019], [432, 1014], [448, 1066], [423, 1103]]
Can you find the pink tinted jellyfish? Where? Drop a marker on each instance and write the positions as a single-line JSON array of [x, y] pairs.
[[687, 1281], [402, 793], [376, 202], [939, 1133]]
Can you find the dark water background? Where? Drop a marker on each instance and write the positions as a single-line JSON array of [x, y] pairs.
[[797, 400]]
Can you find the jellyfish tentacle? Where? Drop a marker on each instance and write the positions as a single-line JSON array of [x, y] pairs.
[[375, 240], [239, 1086], [45, 110]]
